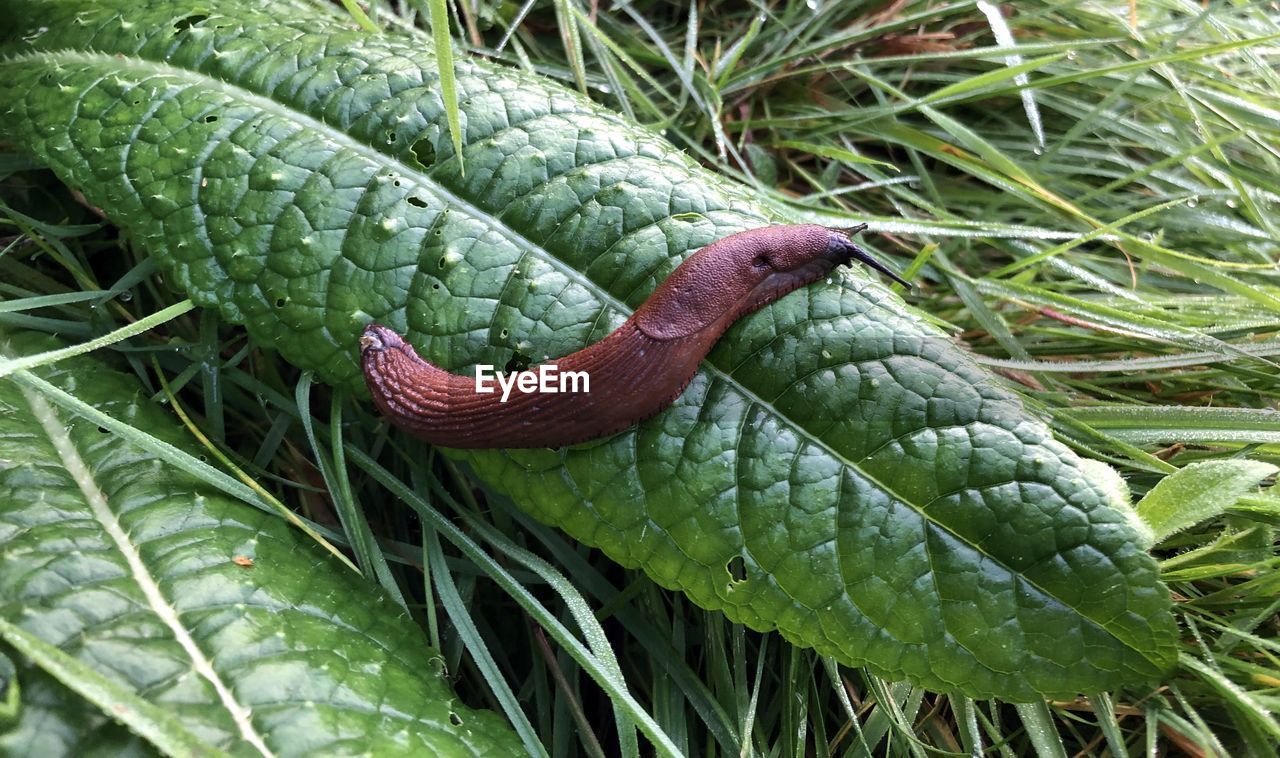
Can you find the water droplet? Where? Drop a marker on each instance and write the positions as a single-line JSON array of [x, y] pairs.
[[1192, 202], [1038, 150], [1071, 55]]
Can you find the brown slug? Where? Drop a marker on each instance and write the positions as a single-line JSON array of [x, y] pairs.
[[635, 372]]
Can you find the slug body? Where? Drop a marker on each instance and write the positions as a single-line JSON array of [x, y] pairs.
[[634, 373]]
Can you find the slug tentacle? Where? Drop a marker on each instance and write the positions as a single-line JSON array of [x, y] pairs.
[[632, 374]]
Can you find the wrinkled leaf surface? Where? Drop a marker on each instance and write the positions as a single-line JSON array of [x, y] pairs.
[[888, 501], [139, 571]]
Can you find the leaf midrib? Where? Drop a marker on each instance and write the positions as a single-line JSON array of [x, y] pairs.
[[79, 471], [194, 79]]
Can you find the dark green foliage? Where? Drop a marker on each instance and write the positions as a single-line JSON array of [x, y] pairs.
[[883, 499], [223, 615]]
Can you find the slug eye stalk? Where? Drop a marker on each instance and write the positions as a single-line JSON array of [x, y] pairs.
[[858, 253], [863, 256]]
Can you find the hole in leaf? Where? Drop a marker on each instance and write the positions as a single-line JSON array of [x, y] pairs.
[[210, 118], [281, 302], [518, 362], [455, 719], [424, 151], [417, 202], [435, 286], [737, 568], [391, 137], [186, 22]]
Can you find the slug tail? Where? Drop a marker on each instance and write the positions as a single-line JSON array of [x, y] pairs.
[[406, 388]]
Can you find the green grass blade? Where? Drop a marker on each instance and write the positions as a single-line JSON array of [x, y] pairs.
[[151, 722], [1041, 730], [440, 34], [11, 365]]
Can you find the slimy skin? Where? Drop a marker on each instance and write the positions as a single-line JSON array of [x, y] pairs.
[[635, 372]]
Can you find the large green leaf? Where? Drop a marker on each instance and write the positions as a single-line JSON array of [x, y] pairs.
[[137, 573], [884, 499]]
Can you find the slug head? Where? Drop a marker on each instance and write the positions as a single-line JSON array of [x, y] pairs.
[[840, 243], [743, 272], [811, 253], [806, 252]]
